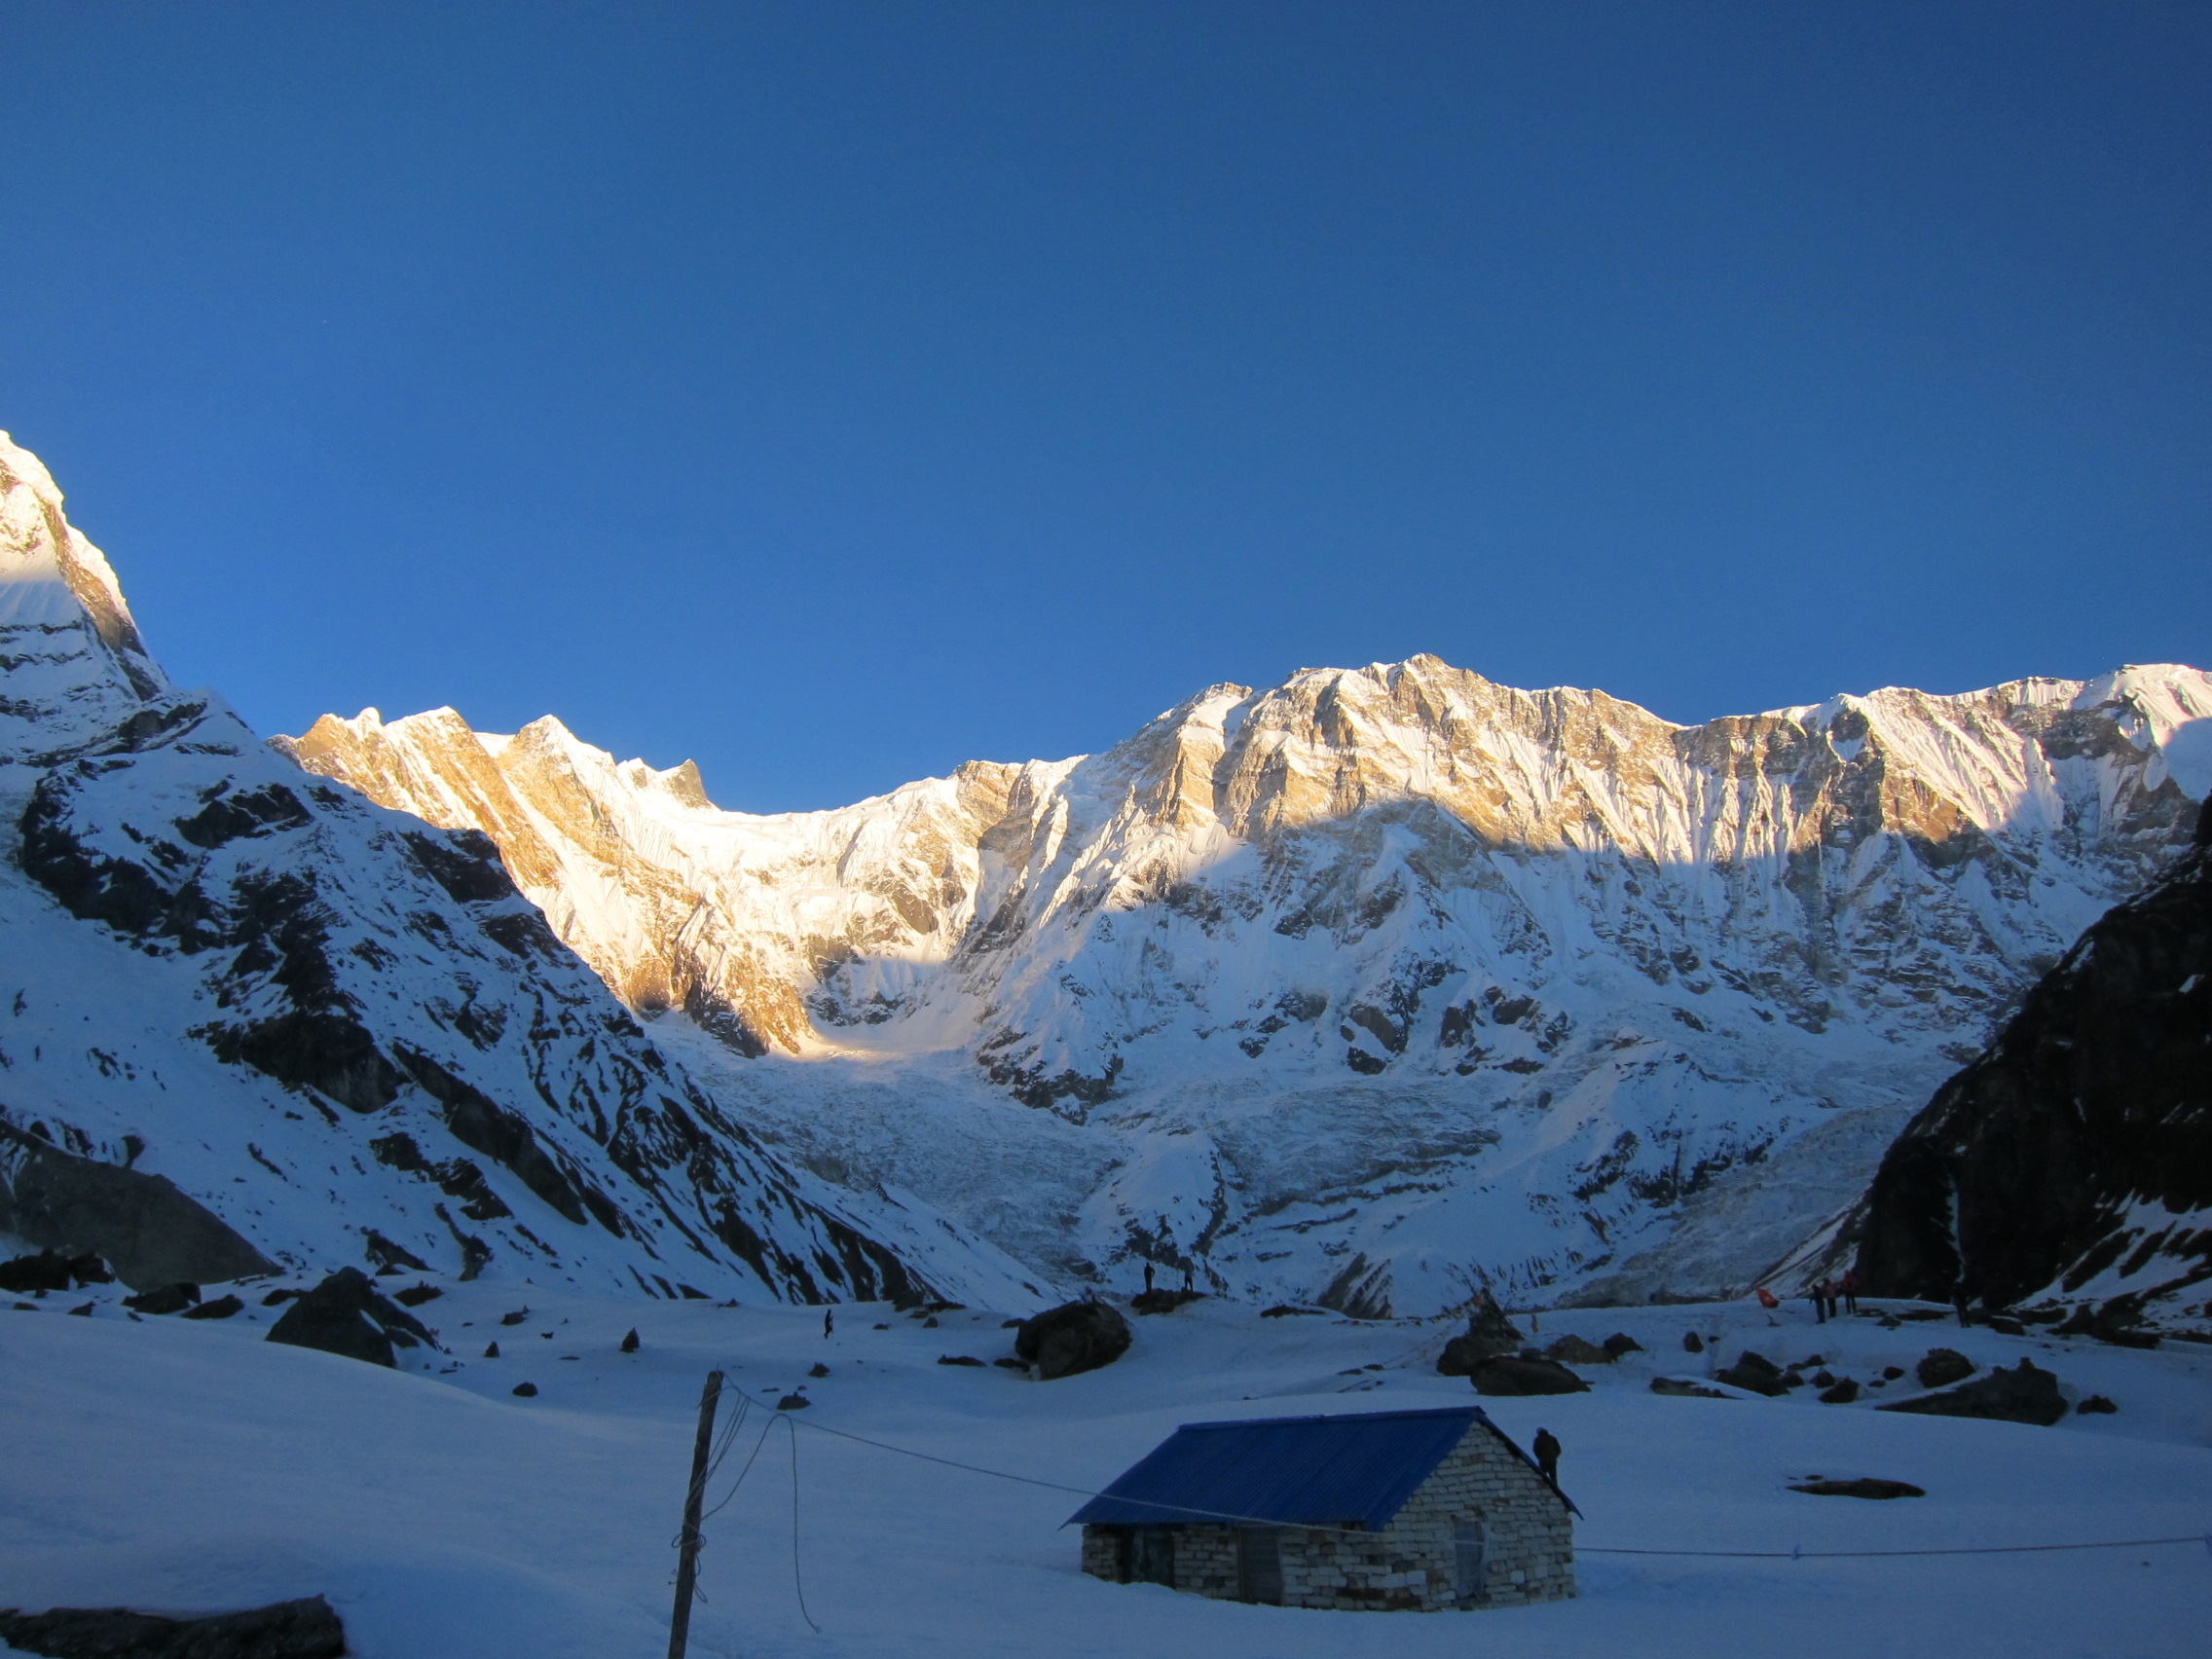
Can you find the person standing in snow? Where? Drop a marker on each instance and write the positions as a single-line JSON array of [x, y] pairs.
[[1819, 1294], [1546, 1448], [1850, 1291], [1148, 1278], [828, 1323]]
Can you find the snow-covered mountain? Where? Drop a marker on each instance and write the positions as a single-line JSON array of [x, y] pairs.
[[341, 1031], [1366, 983]]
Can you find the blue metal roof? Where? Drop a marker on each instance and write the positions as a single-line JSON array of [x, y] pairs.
[[1353, 1471]]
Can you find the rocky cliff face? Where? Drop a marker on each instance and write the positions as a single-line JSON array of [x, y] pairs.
[[339, 1029], [1369, 981], [2074, 1159]]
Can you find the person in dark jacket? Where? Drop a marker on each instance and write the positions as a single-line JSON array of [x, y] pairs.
[[1850, 1290], [1546, 1448], [1820, 1295]]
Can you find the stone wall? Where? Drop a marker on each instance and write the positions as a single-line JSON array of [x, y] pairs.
[[1409, 1566]]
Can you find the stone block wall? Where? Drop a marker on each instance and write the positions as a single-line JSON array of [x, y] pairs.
[[1412, 1564]]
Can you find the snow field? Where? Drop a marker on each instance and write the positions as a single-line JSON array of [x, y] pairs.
[[186, 1467]]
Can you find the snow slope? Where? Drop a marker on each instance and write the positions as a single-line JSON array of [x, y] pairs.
[[341, 1030], [193, 1468], [1368, 983]]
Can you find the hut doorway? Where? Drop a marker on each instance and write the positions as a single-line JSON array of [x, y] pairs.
[[1259, 1565], [1148, 1556], [1471, 1553]]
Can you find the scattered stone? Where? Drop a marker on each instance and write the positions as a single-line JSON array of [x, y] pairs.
[[345, 1315], [277, 1298], [887, 1327], [1011, 1364], [525, 1390], [1692, 1343], [930, 1324], [1004, 1324], [1284, 1310], [289, 1630], [629, 1342], [818, 1369], [1809, 1361], [1755, 1373], [1620, 1342], [793, 1403], [1891, 1372], [1840, 1394], [1941, 1367], [222, 1307], [1573, 1350], [490, 1350], [1926, 1314], [516, 1317], [1504, 1375], [1865, 1487], [954, 1359], [1823, 1378], [168, 1298], [83, 1312], [2096, 1404], [1072, 1337], [1683, 1388], [2005, 1327], [414, 1295], [2027, 1393]]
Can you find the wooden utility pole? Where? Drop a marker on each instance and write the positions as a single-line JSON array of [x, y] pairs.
[[688, 1559]]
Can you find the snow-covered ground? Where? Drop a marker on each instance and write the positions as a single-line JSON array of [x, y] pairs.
[[190, 1466]]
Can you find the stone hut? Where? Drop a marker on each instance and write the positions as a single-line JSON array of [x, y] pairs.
[[1417, 1510]]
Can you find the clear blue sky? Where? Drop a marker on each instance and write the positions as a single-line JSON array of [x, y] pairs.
[[833, 393]]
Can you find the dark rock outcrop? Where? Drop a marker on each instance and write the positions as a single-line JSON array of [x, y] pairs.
[[1941, 1367], [2026, 1393], [1575, 1350], [163, 1299], [345, 1315], [305, 1629], [1867, 1486], [149, 1232], [1755, 1372], [2096, 1097], [1162, 1301], [1490, 1335], [1076, 1335], [1508, 1375], [1682, 1387]]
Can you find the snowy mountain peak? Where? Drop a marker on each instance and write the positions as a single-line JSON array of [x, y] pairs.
[[1355, 985], [76, 663], [339, 1032]]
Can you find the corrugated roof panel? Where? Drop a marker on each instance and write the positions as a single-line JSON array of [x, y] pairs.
[[1352, 1470]]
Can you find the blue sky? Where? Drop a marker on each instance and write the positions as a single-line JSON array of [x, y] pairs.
[[833, 392]]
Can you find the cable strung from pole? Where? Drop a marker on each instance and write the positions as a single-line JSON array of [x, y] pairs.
[[1181, 1509], [798, 1587]]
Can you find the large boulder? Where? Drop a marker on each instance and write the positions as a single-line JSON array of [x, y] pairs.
[[150, 1233], [1490, 1335], [344, 1315], [2026, 1393], [1941, 1367], [305, 1629], [1575, 1350], [1506, 1374], [1754, 1372], [1076, 1335]]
